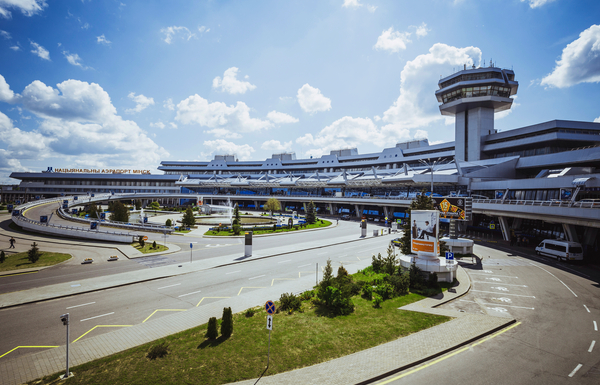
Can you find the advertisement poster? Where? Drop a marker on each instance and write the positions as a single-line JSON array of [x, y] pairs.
[[566, 194], [424, 231], [451, 208]]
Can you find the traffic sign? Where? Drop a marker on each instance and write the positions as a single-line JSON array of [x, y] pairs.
[[145, 238], [191, 245], [270, 322], [449, 256], [270, 307]]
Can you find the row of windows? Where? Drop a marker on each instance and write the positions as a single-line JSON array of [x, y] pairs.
[[472, 92], [469, 77], [100, 190], [531, 152], [106, 183]]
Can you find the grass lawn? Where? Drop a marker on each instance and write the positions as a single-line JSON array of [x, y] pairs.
[[148, 247], [299, 339], [270, 231], [20, 261]]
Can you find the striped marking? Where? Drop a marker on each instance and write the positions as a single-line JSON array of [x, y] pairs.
[[208, 297], [30, 347], [101, 326], [248, 287], [147, 318]]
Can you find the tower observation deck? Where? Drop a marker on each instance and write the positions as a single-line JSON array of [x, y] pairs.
[[473, 96]]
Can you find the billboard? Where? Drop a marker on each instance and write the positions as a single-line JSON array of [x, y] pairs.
[[452, 207], [424, 231]]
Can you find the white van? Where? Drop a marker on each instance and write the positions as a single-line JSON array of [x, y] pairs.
[[561, 250]]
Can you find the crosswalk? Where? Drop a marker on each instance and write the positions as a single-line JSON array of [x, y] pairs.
[[505, 262]]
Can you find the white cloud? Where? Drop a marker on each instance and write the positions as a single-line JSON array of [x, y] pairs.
[[168, 104], [311, 99], [172, 125], [579, 63], [537, 3], [355, 4], [102, 40], [27, 7], [220, 146], [73, 59], [141, 103], [6, 94], [40, 51], [597, 120], [276, 146], [203, 29], [392, 41], [281, 118], [421, 134], [505, 113], [422, 30], [223, 120], [415, 107], [230, 84], [15, 48], [5, 34], [160, 125], [171, 32]]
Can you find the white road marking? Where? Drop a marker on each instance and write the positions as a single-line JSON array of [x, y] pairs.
[[500, 309], [503, 299], [488, 271], [98, 316], [256, 277], [495, 275], [285, 261], [575, 370], [506, 284], [586, 308], [164, 287], [592, 346], [76, 285], [572, 292], [499, 288], [495, 279], [231, 272], [71, 307], [520, 307], [306, 265], [196, 292], [518, 295], [595, 326]]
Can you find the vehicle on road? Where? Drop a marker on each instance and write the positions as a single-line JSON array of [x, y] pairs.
[[561, 250], [345, 217], [396, 242]]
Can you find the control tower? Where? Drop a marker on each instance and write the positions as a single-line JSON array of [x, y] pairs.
[[473, 95]]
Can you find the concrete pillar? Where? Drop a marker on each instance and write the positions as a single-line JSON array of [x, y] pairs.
[[386, 212], [504, 228], [332, 209], [570, 233], [359, 210], [256, 205]]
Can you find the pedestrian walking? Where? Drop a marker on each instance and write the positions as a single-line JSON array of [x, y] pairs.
[[12, 243]]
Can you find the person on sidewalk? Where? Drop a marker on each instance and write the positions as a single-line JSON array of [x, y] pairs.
[[12, 243]]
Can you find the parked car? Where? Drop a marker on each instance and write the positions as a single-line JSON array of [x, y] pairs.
[[345, 217], [396, 242], [561, 250]]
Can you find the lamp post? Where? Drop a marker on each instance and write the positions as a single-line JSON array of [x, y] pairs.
[[432, 165]]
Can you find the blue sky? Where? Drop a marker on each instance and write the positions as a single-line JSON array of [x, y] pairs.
[[124, 84]]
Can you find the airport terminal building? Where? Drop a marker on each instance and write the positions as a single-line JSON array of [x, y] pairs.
[[553, 166]]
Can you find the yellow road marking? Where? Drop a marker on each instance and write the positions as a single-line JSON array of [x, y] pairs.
[[281, 279], [248, 287], [307, 272], [101, 326], [11, 275], [449, 355], [161, 310], [33, 347], [209, 297]]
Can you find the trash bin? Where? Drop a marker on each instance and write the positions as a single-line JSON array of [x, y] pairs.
[[375, 233]]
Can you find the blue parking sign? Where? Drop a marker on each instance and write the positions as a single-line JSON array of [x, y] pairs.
[[449, 256]]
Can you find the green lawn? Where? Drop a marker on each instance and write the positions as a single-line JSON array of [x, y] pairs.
[[148, 247], [20, 261], [297, 340], [270, 231]]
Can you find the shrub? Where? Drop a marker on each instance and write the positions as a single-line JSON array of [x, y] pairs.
[[367, 292], [237, 229], [169, 223], [385, 290], [227, 323], [377, 300], [250, 312], [335, 301], [141, 241], [290, 302], [307, 295], [390, 262], [154, 245], [416, 277], [34, 253], [377, 263], [212, 332], [400, 283], [2, 256], [158, 351], [432, 280]]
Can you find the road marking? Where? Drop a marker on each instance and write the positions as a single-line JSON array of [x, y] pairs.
[[305, 272], [11, 275], [164, 287], [449, 355], [305, 265], [503, 299], [595, 326], [520, 307], [195, 292], [500, 288], [147, 318], [586, 308], [232, 272], [98, 316], [32, 347], [572, 292], [101, 326], [71, 307], [518, 295], [281, 279], [505, 284], [575, 370], [248, 287], [76, 285], [209, 297], [592, 346], [258, 276], [494, 275], [285, 261]]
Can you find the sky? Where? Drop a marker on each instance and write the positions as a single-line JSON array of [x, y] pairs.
[[105, 84]]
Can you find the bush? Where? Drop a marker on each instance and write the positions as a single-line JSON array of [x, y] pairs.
[[212, 332], [377, 300], [169, 223], [385, 290], [250, 312], [307, 295], [432, 280], [141, 241], [377, 263], [335, 301], [289, 302], [2, 256], [237, 229], [154, 245], [34, 253], [158, 351], [367, 292], [227, 323], [416, 278], [400, 283]]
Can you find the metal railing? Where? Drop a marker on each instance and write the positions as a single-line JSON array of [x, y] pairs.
[[551, 203]]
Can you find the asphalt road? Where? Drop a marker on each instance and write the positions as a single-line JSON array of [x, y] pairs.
[[559, 314]]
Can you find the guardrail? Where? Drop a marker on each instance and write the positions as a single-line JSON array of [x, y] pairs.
[[121, 225], [557, 203]]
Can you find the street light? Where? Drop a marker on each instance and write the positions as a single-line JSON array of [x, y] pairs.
[[65, 320], [431, 165]]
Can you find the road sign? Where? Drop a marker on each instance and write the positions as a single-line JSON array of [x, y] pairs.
[[492, 226], [145, 238], [449, 256], [270, 307], [270, 322], [191, 245]]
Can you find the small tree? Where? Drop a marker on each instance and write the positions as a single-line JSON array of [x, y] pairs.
[[138, 204], [169, 223], [236, 216], [93, 211], [212, 331], [154, 205], [390, 262], [227, 323], [34, 253], [154, 245], [311, 213], [272, 205], [119, 212], [188, 219], [2, 256], [141, 241]]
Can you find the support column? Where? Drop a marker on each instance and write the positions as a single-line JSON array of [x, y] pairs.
[[386, 212], [504, 228], [332, 208], [359, 210], [256, 205], [570, 233]]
